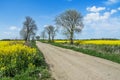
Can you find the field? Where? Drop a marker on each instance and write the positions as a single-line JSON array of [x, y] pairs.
[[98, 42], [21, 62], [103, 46]]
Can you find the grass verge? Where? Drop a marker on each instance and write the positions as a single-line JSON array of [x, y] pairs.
[[111, 57]]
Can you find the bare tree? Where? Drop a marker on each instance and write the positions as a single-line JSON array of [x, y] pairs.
[[43, 35], [48, 30], [37, 37], [71, 21], [67, 35], [51, 30], [29, 29]]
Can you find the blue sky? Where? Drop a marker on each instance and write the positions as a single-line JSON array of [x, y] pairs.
[[101, 17]]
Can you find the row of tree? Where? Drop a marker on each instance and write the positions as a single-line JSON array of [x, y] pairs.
[[71, 21]]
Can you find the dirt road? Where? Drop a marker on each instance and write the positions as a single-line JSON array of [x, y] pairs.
[[66, 64]]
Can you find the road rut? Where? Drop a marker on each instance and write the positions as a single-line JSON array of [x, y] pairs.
[[67, 64]]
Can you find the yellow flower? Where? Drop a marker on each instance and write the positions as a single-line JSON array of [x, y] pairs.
[[97, 42], [11, 50], [3, 68]]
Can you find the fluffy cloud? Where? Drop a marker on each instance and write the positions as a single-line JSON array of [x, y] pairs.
[[102, 24], [102, 29], [7, 33], [113, 11], [95, 15], [95, 9], [13, 28], [45, 26], [10, 35], [119, 8]]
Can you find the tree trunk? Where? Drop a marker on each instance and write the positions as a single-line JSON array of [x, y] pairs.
[[71, 37], [71, 40], [43, 38], [49, 38], [26, 39], [27, 36], [52, 38]]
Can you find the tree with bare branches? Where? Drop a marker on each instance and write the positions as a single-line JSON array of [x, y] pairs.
[[43, 35], [71, 21], [51, 30], [29, 29]]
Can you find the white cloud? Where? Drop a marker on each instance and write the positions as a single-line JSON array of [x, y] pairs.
[[106, 15], [109, 2], [113, 11], [96, 16], [7, 33], [102, 25], [13, 28], [91, 17], [102, 28], [10, 34], [108, 28], [95, 9], [119, 8], [45, 26]]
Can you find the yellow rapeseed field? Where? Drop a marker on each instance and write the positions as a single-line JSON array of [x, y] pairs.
[[98, 42], [10, 47], [13, 55]]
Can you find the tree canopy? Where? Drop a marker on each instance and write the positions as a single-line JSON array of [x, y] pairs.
[[71, 21], [29, 29]]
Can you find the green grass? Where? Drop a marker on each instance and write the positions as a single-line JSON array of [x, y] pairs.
[[33, 72], [111, 57]]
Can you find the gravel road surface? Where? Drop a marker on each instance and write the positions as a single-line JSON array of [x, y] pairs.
[[67, 64]]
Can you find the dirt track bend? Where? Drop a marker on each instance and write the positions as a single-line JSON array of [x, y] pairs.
[[66, 64]]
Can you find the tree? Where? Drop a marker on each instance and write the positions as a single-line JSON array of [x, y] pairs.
[[51, 30], [43, 34], [37, 37], [48, 30], [71, 21], [29, 29], [67, 35]]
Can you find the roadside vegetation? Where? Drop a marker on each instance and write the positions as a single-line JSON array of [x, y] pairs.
[[21, 62], [107, 51]]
